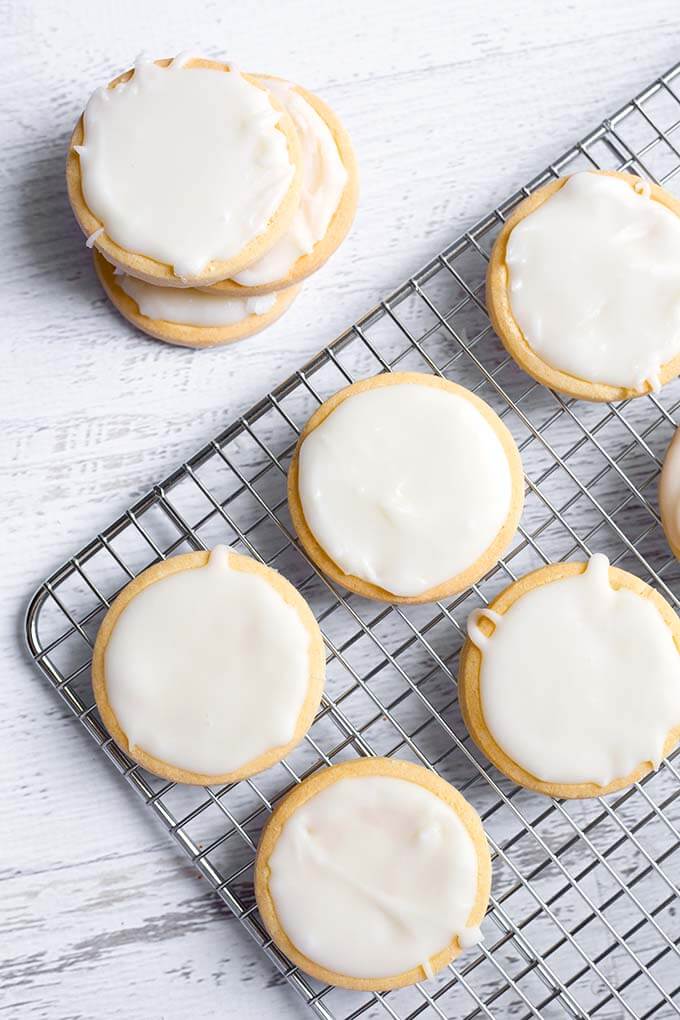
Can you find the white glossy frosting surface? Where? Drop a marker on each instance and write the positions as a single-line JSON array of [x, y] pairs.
[[404, 486], [374, 876], [669, 491], [323, 182], [208, 668], [595, 281], [579, 683], [183, 165], [190, 307]]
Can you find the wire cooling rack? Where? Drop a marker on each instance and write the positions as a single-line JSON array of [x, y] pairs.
[[584, 918]]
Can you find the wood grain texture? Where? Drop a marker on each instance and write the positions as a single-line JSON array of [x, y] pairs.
[[450, 110]]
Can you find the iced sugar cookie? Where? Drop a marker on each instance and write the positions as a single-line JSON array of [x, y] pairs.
[[373, 874], [583, 286], [187, 316], [184, 171], [669, 495], [328, 199], [208, 668], [570, 681], [405, 487]]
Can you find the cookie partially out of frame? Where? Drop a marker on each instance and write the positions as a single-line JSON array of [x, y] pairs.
[[510, 333], [669, 494], [357, 770], [178, 333], [315, 662]]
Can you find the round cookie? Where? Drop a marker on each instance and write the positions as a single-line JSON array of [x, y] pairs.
[[208, 668], [153, 269], [388, 856], [458, 503], [568, 332], [570, 681], [669, 494], [341, 219], [256, 312]]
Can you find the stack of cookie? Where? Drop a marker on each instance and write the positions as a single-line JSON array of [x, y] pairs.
[[208, 195]]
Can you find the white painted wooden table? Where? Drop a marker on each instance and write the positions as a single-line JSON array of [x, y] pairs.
[[450, 108]]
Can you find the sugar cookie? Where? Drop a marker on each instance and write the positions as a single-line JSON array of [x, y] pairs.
[[373, 874], [208, 668], [583, 286], [570, 681], [141, 303], [405, 488], [669, 494], [328, 199], [184, 171]]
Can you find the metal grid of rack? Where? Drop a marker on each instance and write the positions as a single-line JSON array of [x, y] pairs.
[[584, 918]]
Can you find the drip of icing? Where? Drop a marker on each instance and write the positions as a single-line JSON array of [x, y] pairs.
[[190, 307], [580, 683], [473, 630], [427, 969], [469, 937], [594, 281], [404, 486], [207, 669], [163, 157], [93, 237], [324, 179], [183, 58], [643, 188], [373, 876]]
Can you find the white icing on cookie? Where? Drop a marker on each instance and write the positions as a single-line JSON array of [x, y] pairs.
[[191, 307], [669, 492], [579, 683], [404, 486], [373, 876], [163, 158], [595, 281], [207, 669], [324, 178]]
